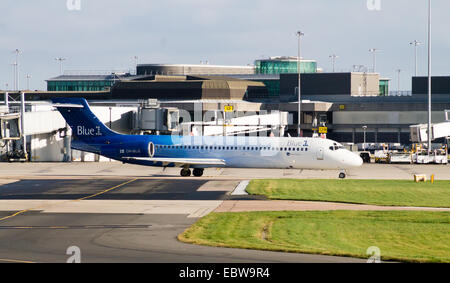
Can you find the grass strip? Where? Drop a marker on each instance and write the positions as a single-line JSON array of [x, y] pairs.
[[376, 192], [408, 236]]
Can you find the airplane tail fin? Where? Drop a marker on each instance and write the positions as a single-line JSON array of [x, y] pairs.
[[84, 123]]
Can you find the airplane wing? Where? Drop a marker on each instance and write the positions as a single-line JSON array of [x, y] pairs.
[[180, 162]]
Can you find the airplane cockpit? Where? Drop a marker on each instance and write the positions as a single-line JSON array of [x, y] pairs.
[[336, 146]]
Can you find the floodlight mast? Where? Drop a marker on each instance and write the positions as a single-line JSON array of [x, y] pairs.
[[398, 81], [28, 81], [61, 60], [299, 91], [16, 69], [333, 60], [374, 52], [415, 43], [429, 77]]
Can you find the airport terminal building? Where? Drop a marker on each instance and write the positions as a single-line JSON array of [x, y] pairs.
[[343, 102], [350, 105]]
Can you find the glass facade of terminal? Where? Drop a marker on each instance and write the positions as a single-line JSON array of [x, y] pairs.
[[273, 87], [78, 85], [282, 65], [384, 87], [275, 67]]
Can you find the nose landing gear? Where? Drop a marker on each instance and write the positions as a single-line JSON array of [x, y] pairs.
[[342, 175]]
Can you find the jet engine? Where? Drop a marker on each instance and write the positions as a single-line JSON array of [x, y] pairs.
[[151, 149]]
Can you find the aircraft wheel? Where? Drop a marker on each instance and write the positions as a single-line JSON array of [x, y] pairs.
[[342, 175], [198, 172], [185, 172]]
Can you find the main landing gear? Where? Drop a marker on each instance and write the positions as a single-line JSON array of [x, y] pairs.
[[186, 172], [198, 172]]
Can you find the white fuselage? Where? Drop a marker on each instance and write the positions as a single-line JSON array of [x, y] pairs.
[[257, 152]]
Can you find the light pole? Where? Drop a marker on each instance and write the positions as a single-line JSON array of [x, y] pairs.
[[16, 65], [398, 81], [28, 81], [374, 52], [415, 43], [333, 60], [136, 62], [364, 145], [429, 77], [299, 91], [61, 60]]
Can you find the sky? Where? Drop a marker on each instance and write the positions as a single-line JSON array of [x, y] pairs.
[[107, 34]]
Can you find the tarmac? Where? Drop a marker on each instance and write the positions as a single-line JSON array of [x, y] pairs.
[[117, 169], [126, 213]]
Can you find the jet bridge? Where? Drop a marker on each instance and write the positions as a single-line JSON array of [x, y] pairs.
[[271, 124], [419, 133]]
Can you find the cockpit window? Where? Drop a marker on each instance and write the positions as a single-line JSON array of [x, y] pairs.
[[336, 147]]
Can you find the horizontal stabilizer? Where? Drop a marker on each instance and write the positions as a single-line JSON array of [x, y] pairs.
[[68, 105]]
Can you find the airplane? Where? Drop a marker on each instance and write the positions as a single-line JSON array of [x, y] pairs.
[[200, 152]]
